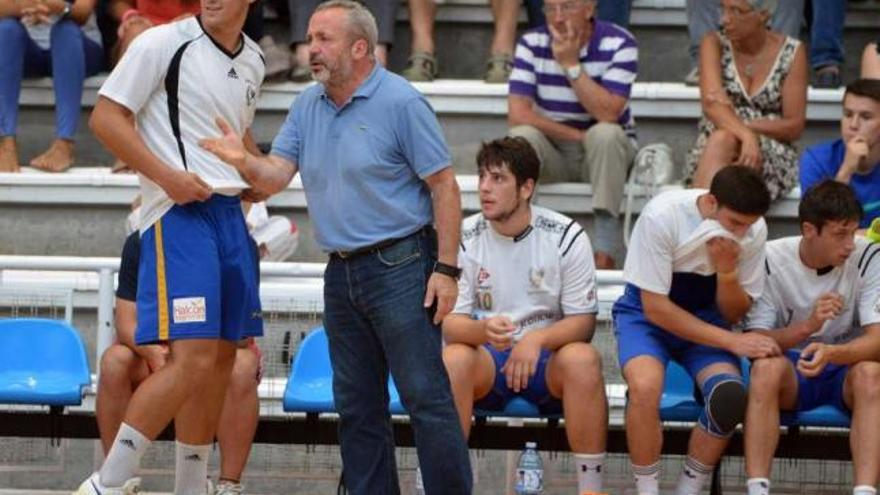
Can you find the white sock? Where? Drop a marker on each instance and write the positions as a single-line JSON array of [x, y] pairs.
[[647, 479], [693, 477], [589, 472], [864, 490], [191, 469], [124, 458], [758, 486]]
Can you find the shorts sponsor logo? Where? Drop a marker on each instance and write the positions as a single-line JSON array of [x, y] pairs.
[[877, 305], [190, 310]]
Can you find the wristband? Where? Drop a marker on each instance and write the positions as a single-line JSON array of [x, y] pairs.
[[129, 14], [448, 270], [727, 276]]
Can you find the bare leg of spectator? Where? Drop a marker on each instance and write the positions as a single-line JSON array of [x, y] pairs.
[[721, 150], [121, 371], [8, 154], [500, 61], [238, 421], [422, 65], [421, 20]]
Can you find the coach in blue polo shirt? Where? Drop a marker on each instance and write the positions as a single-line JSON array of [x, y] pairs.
[[378, 179], [853, 159]]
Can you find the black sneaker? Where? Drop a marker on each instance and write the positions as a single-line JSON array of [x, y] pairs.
[[827, 77]]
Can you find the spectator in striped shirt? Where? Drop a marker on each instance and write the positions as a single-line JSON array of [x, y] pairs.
[[569, 97]]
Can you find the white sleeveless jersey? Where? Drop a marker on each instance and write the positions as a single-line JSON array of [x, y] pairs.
[[535, 279], [177, 80]]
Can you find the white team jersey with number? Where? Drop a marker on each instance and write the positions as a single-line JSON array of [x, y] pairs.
[[177, 80], [792, 289], [670, 237], [535, 278]]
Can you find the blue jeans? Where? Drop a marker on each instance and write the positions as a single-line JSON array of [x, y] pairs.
[[826, 33], [71, 58], [375, 322], [616, 11]]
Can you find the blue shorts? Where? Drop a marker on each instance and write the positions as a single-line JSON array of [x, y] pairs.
[[636, 336], [536, 392], [823, 390], [196, 277]]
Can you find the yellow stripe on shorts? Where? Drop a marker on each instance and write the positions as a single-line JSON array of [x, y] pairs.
[[161, 289]]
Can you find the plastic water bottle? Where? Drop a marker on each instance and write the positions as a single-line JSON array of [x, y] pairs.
[[420, 484], [530, 472]]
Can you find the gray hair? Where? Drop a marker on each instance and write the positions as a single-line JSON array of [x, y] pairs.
[[768, 5], [361, 23]]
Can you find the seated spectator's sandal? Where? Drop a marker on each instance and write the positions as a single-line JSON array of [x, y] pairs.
[[421, 67], [498, 68]]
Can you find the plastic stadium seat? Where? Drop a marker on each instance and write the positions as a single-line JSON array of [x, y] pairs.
[[825, 416], [516, 408], [677, 402], [42, 362], [310, 385]]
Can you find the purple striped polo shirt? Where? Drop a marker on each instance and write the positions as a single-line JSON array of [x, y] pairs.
[[610, 58]]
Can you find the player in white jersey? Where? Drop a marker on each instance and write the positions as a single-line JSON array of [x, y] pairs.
[[821, 303], [526, 309], [197, 287], [695, 263]]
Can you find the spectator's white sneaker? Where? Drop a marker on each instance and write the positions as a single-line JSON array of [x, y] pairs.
[[227, 488], [93, 486]]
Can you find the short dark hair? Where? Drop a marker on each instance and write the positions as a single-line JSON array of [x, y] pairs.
[[741, 189], [829, 201], [516, 153], [869, 88]]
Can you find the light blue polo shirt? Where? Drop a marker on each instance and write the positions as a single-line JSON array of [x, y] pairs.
[[363, 164]]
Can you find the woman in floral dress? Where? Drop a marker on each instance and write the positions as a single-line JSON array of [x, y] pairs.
[[753, 90]]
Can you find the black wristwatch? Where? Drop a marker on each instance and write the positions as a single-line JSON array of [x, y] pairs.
[[448, 270]]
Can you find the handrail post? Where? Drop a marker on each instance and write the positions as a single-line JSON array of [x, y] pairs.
[[105, 316]]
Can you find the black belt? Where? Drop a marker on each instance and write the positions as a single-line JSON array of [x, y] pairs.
[[379, 245]]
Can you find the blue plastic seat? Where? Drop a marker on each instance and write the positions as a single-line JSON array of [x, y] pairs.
[[516, 408], [310, 385], [42, 362], [678, 402]]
